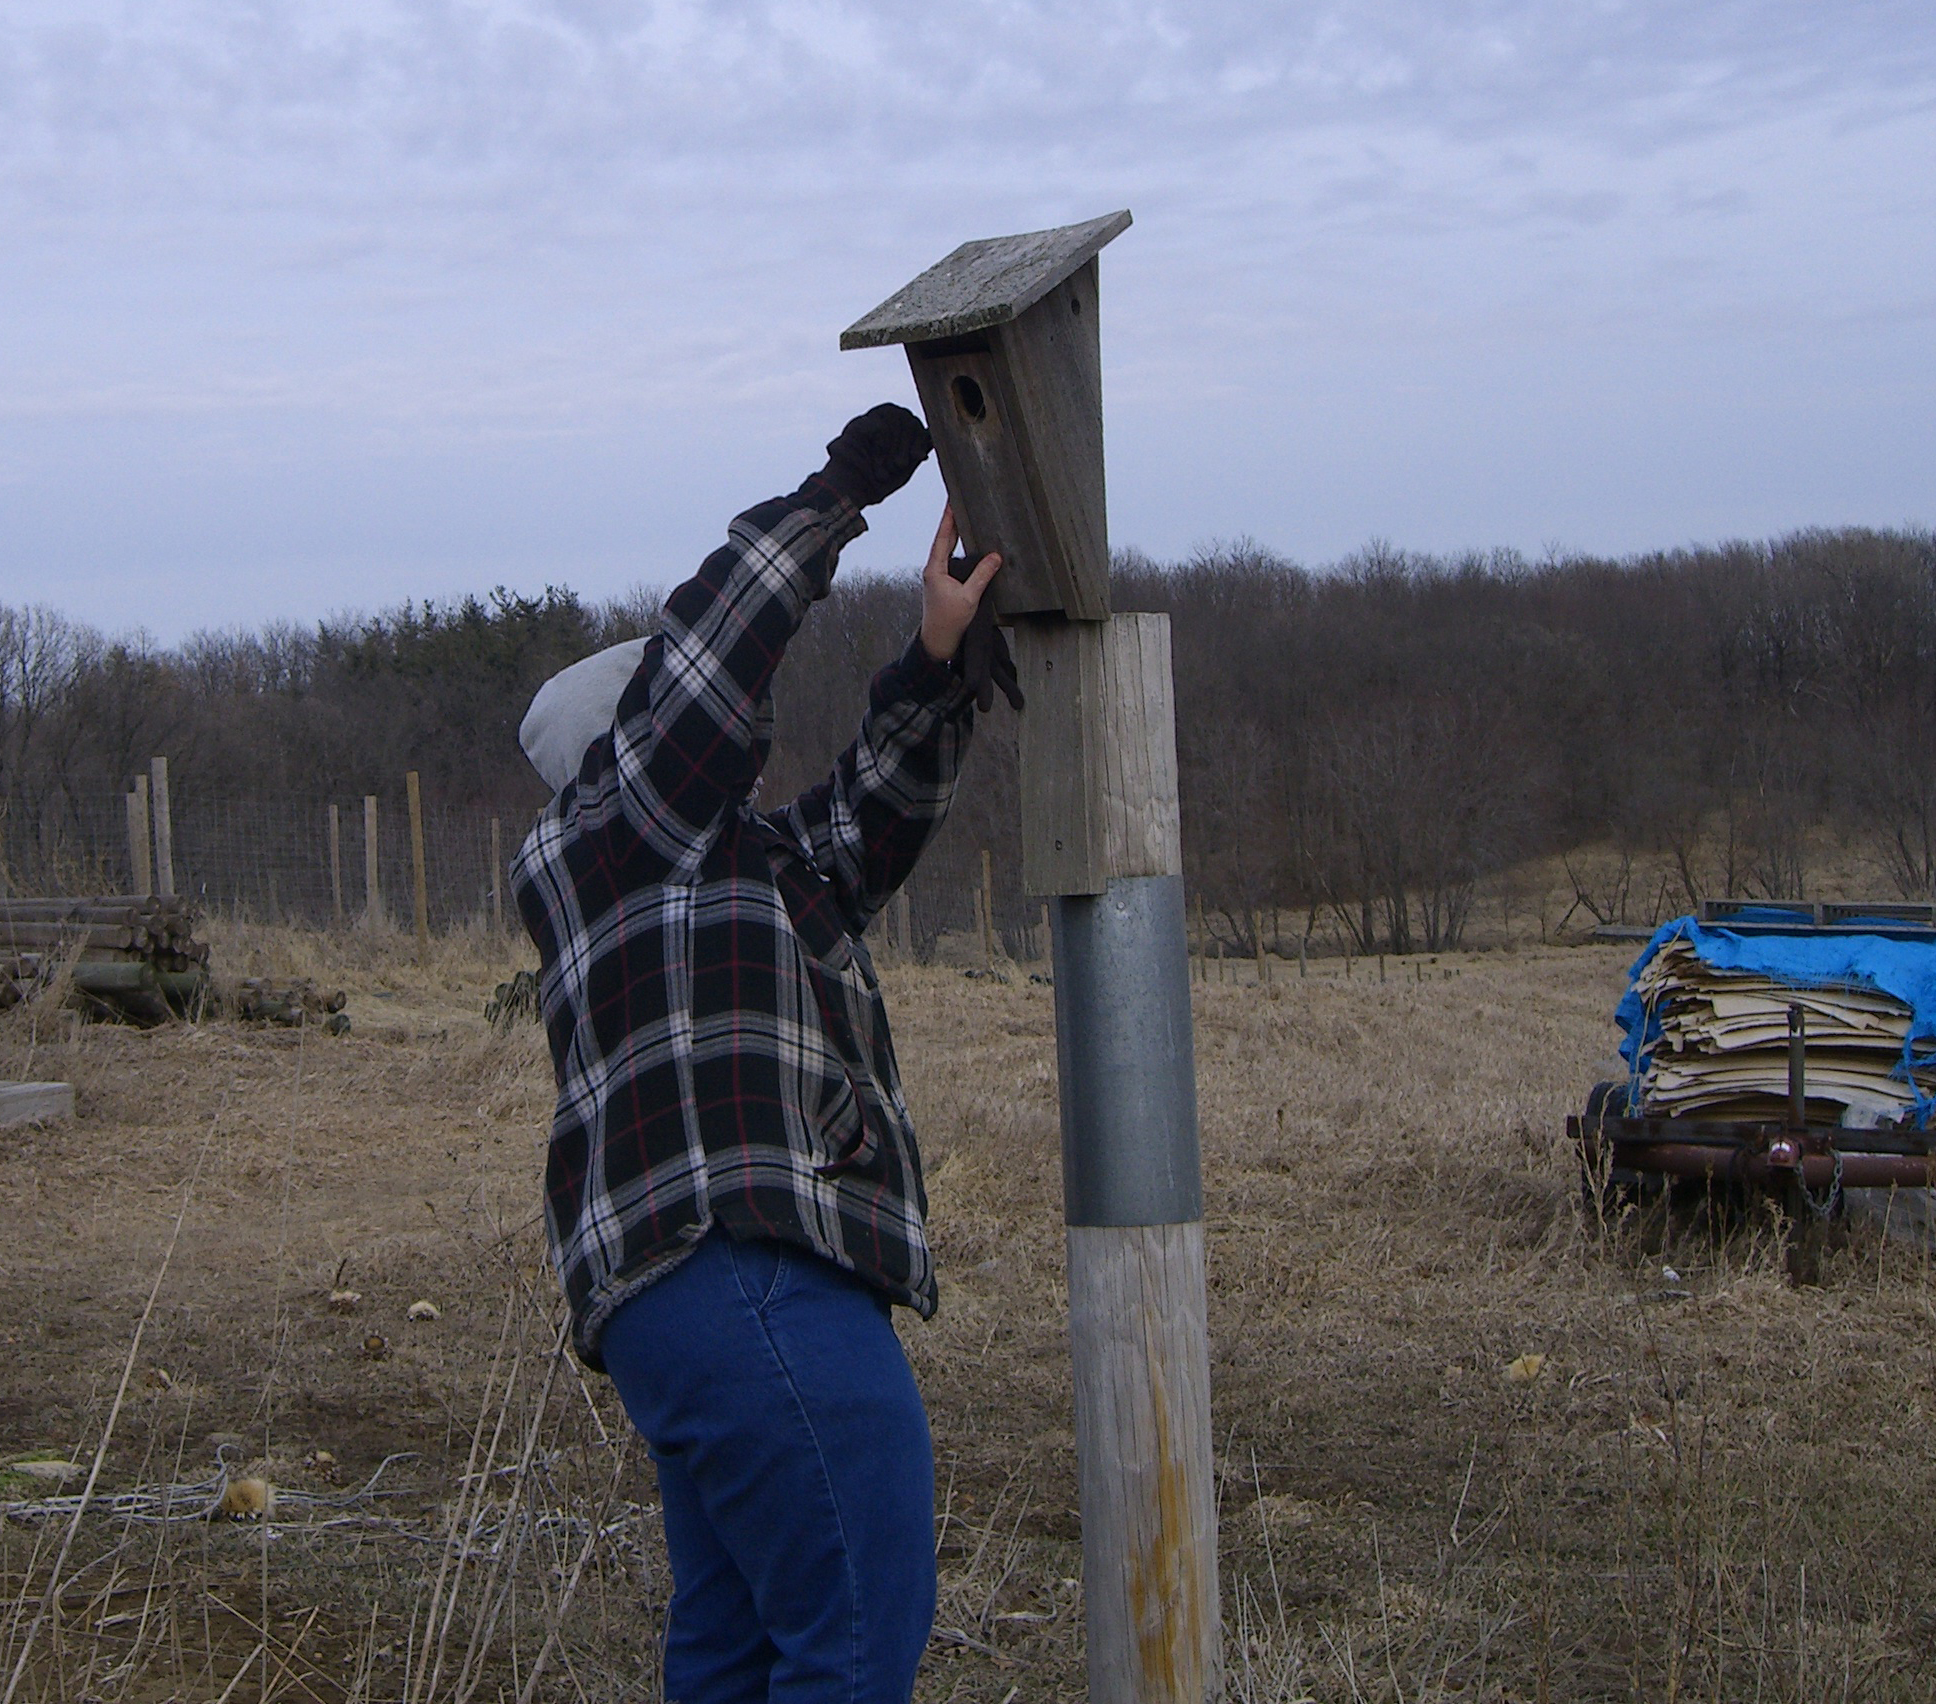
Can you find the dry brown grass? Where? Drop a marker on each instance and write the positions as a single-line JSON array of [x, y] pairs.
[[1713, 1495]]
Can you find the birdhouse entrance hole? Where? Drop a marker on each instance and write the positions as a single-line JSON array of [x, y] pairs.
[[968, 398]]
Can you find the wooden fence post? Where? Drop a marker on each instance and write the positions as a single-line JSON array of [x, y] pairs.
[[335, 865], [497, 875], [139, 867], [1006, 356], [419, 876], [1101, 820], [987, 908], [372, 894], [164, 831], [904, 925]]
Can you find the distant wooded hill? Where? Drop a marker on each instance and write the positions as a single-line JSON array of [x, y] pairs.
[[1361, 745]]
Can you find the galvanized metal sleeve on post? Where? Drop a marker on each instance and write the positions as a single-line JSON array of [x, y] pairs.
[[1124, 1055]]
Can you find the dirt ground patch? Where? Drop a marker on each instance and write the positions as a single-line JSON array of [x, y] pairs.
[[1713, 1487]]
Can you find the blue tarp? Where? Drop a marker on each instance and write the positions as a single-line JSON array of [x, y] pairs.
[[1904, 969]]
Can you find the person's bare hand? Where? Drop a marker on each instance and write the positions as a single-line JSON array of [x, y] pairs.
[[948, 605], [958, 622]]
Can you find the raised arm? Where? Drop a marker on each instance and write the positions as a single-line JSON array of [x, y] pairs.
[[693, 725], [865, 827]]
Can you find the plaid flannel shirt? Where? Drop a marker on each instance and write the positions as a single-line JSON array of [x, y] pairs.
[[720, 1044]]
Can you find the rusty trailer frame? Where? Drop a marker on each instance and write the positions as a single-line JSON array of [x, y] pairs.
[[1768, 1156], [1798, 1162], [1801, 1165]]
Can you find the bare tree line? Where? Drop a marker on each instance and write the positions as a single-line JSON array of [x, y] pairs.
[[1360, 746]]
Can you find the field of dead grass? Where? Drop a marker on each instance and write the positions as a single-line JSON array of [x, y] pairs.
[[1714, 1487]]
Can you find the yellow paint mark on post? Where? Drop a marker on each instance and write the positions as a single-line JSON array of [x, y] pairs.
[[1165, 1582]]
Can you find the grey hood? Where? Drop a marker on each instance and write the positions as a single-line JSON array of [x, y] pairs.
[[573, 708]]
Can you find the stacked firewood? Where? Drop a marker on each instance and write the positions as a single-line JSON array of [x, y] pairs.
[[137, 957]]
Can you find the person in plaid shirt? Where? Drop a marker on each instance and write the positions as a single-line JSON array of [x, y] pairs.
[[733, 1192]]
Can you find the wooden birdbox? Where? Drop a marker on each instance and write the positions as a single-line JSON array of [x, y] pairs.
[[1007, 357]]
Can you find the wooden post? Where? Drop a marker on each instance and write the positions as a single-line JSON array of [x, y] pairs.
[[335, 865], [1302, 943], [1132, 1183], [1048, 935], [497, 875], [987, 908], [1003, 345], [903, 925], [372, 895], [1257, 933], [419, 877], [164, 830], [139, 868]]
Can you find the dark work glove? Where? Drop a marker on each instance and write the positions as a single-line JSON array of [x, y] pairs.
[[983, 658], [876, 454]]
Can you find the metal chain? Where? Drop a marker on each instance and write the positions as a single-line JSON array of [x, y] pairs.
[[1831, 1196]]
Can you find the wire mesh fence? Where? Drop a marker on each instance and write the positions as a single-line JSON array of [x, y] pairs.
[[310, 862], [322, 863], [959, 879]]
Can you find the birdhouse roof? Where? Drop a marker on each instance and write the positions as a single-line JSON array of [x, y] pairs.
[[983, 283]]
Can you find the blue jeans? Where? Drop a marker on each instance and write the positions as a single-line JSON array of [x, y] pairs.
[[795, 1471]]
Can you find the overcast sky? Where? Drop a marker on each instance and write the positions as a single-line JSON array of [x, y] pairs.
[[318, 307]]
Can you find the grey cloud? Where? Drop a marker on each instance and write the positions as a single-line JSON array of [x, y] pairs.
[[447, 91], [238, 235]]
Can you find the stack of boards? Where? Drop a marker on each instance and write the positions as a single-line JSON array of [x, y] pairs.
[[1723, 1050], [136, 957]]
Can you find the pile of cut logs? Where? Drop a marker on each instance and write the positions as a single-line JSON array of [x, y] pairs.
[[138, 958]]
